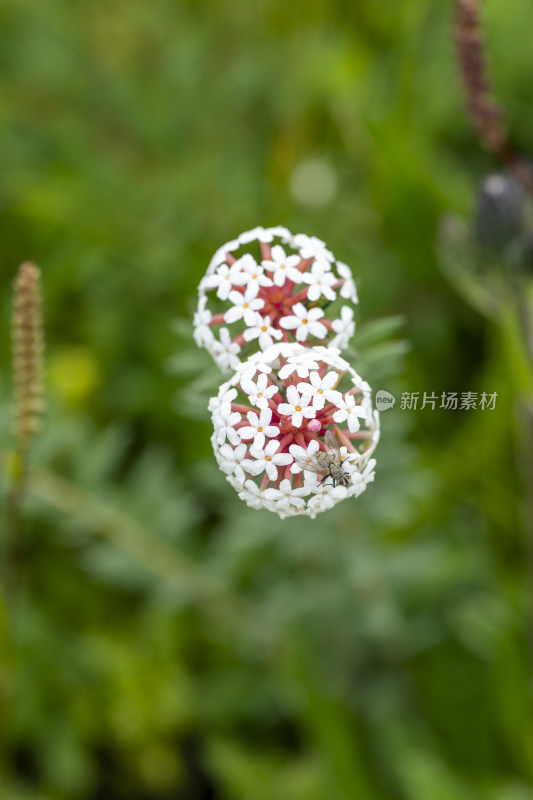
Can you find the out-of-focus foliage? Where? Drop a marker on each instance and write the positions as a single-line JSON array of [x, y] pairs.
[[166, 641]]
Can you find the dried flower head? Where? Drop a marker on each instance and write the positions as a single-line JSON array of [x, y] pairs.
[[269, 286], [294, 430], [28, 346], [499, 213]]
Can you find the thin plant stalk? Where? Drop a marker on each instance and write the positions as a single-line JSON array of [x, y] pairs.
[[488, 119], [27, 347]]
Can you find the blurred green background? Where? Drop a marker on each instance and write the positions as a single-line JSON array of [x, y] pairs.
[[169, 642]]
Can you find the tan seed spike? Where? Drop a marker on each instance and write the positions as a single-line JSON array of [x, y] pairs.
[[28, 348]]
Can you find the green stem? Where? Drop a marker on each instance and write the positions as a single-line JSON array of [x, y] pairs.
[[14, 541], [12, 558], [516, 329]]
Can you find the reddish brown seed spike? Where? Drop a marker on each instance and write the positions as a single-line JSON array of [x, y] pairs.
[[484, 112]]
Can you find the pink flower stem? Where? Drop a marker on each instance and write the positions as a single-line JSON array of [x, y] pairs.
[[277, 482], [360, 435], [304, 264], [288, 286], [300, 439], [343, 439], [302, 295], [272, 405], [287, 439], [310, 436], [242, 409], [266, 251], [230, 259], [218, 319], [264, 482]]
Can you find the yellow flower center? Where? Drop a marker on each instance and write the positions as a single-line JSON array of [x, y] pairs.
[[298, 408], [304, 322], [268, 458]]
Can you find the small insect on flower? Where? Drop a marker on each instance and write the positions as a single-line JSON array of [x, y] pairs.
[[277, 446], [328, 463]]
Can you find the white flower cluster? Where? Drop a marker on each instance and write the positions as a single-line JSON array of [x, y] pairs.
[[289, 289], [294, 427], [270, 430]]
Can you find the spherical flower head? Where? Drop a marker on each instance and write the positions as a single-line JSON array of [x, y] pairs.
[[295, 429], [269, 287]]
